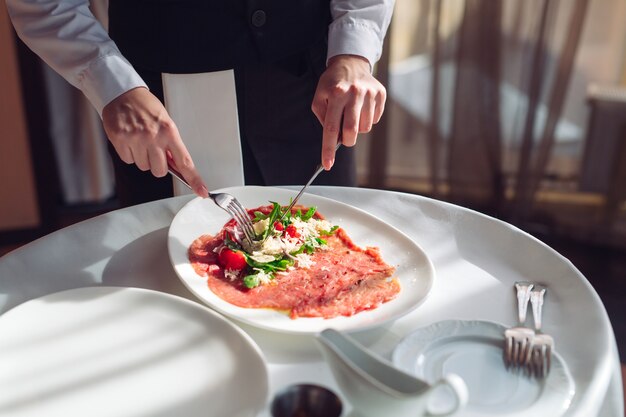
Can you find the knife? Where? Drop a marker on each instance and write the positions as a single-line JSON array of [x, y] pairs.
[[319, 169]]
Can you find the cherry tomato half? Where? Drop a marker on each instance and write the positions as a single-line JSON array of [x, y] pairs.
[[230, 259], [279, 226]]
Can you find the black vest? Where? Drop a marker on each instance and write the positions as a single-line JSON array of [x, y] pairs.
[[188, 36]]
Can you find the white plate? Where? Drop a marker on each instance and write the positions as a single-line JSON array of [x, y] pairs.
[[414, 270], [126, 352], [473, 350]]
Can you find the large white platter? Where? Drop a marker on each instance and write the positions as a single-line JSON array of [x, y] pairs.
[[415, 271], [126, 352]]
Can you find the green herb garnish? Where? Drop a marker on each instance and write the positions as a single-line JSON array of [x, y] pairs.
[[280, 262], [328, 232]]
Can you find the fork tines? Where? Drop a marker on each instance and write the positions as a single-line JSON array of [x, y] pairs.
[[243, 219], [539, 364], [235, 209], [519, 346]]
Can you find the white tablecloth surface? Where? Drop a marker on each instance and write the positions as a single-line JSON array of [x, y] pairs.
[[477, 259]]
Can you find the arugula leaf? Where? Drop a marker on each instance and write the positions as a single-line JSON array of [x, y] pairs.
[[282, 264], [273, 217], [298, 251], [273, 266], [307, 247], [287, 219], [328, 232], [305, 217], [258, 216]]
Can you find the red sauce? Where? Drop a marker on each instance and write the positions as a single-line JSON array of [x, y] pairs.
[[344, 280]]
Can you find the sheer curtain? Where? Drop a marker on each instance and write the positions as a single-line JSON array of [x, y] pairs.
[[488, 106]]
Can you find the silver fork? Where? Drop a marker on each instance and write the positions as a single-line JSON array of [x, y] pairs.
[[230, 204], [236, 210], [543, 344], [519, 339]]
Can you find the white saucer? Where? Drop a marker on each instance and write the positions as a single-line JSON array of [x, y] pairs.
[[473, 350], [126, 352]]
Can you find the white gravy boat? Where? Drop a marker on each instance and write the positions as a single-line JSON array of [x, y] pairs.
[[375, 388]]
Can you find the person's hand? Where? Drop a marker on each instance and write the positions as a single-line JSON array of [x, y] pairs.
[[346, 90], [143, 133]]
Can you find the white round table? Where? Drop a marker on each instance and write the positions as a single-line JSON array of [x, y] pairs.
[[476, 258]]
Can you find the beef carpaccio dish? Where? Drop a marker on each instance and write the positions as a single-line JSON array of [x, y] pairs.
[[298, 263]]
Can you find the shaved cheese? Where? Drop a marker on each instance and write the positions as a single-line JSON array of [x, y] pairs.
[[260, 226], [231, 274], [304, 260], [261, 257], [264, 277]]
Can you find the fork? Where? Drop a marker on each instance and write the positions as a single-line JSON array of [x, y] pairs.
[[228, 203], [233, 207], [543, 344], [519, 339]]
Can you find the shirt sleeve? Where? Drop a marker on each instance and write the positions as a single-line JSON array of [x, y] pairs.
[[67, 36], [359, 27]]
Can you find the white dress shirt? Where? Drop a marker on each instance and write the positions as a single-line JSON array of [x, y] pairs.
[[67, 36]]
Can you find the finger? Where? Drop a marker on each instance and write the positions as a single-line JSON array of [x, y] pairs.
[[319, 107], [332, 125], [184, 164], [170, 159], [118, 138], [124, 153], [380, 99], [351, 116], [367, 114], [140, 156], [158, 162]]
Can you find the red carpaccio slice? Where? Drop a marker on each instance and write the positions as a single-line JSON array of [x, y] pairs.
[[343, 280]]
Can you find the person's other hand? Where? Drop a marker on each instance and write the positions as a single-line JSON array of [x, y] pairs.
[[143, 133], [346, 89]]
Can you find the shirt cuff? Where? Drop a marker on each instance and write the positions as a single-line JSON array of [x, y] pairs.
[[354, 38], [107, 78]]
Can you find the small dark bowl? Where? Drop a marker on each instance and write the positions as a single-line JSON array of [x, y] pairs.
[[306, 400]]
